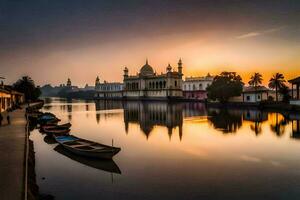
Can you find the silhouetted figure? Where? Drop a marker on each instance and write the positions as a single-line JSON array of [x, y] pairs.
[[1, 118], [8, 119]]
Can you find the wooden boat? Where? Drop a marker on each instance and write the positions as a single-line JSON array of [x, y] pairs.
[[101, 164], [49, 126], [47, 119], [57, 131], [86, 148]]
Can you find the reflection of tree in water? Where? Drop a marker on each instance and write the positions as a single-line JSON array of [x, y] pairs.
[[256, 127], [228, 121], [256, 117], [278, 124]]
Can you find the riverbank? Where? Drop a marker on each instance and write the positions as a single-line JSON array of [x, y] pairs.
[[12, 151]]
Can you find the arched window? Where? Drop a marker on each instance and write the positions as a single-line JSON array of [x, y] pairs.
[[200, 86], [194, 87], [156, 85], [175, 83], [164, 84], [160, 85]]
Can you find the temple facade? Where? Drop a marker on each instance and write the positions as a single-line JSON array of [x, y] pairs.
[[147, 84]]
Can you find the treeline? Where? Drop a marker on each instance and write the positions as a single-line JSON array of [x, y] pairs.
[[230, 84]]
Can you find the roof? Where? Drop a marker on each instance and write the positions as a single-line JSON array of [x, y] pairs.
[[295, 80], [251, 89], [146, 70]]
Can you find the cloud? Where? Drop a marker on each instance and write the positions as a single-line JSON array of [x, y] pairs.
[[258, 33]]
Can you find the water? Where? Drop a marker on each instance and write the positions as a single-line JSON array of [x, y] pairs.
[[172, 151]]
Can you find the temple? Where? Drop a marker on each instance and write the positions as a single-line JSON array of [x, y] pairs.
[[149, 85]]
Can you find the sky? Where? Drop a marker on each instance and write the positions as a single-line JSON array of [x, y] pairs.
[[52, 40]]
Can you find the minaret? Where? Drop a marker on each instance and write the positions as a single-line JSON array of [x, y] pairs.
[[125, 72], [169, 68], [180, 67], [69, 83], [97, 82]]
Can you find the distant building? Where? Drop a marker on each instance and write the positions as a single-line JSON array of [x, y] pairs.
[[149, 85], [108, 90], [88, 88], [195, 87]]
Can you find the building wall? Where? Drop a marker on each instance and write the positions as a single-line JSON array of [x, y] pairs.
[[197, 94], [153, 87], [109, 90], [195, 87], [250, 97]]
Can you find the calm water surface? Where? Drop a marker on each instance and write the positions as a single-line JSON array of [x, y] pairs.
[[172, 151]]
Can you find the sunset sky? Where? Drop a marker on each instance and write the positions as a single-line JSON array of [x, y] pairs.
[[53, 40]]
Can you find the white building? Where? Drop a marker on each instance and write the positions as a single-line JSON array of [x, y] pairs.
[[252, 95], [195, 87], [106, 90]]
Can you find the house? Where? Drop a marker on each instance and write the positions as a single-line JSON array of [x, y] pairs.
[[252, 94], [9, 98], [295, 94]]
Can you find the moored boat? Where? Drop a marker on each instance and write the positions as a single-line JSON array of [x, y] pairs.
[[86, 148], [101, 164], [57, 131], [55, 125]]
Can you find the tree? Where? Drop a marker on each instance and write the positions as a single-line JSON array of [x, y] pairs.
[[224, 86], [255, 81], [285, 92], [277, 82], [27, 87]]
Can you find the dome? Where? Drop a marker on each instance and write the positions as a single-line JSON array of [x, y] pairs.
[[146, 70]]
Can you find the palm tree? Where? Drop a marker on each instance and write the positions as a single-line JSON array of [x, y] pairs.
[[277, 82], [255, 81]]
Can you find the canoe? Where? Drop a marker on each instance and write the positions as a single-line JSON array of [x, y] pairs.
[[87, 148], [49, 126], [57, 131], [101, 164]]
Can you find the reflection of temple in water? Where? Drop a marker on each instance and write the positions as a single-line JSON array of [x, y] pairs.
[[150, 114], [106, 105], [193, 109]]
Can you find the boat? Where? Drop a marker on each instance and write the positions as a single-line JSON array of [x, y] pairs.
[[86, 148], [55, 125], [57, 131], [47, 117], [107, 165]]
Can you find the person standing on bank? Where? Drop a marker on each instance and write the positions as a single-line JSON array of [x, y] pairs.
[[8, 119], [1, 118]]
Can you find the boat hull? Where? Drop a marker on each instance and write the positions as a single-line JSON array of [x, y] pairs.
[[106, 154]]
